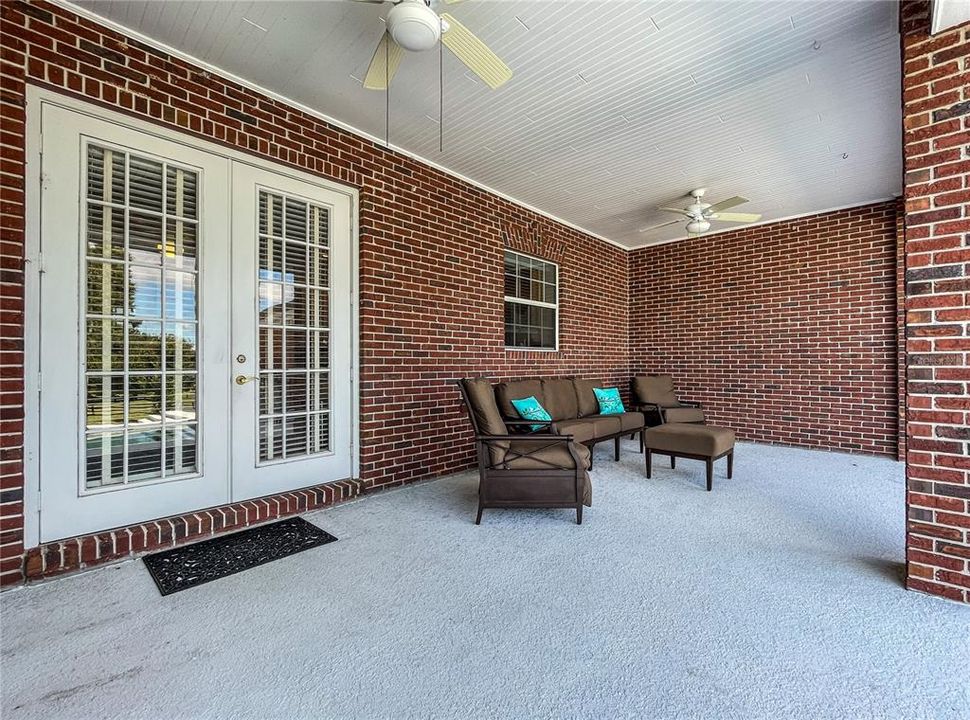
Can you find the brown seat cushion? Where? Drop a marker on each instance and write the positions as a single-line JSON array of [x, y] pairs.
[[560, 395], [684, 415], [588, 404], [582, 429], [657, 389], [706, 440], [481, 400], [629, 420], [589, 429], [506, 392], [535, 456]]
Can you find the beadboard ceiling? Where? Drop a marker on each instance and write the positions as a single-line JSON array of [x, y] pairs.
[[614, 108]]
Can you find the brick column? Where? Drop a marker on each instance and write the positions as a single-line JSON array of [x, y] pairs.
[[936, 152]]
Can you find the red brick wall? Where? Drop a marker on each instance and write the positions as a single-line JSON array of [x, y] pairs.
[[431, 252], [936, 120], [785, 332]]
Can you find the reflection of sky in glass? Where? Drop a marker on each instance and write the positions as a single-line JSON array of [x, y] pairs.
[[147, 290], [270, 295]]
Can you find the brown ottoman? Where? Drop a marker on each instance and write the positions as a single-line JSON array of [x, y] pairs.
[[698, 442]]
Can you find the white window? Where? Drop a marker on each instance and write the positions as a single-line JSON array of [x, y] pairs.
[[531, 302]]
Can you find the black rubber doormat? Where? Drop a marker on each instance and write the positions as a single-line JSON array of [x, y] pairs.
[[185, 567]]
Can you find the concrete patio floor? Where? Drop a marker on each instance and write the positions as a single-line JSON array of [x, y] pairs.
[[777, 595]]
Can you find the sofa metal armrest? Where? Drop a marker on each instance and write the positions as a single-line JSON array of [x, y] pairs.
[[532, 437]]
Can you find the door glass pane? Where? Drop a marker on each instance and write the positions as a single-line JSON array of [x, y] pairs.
[[293, 320], [140, 240]]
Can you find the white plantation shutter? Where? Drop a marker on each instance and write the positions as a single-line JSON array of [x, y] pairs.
[[141, 239]]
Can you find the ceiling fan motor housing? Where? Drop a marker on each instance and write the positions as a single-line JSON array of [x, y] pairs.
[[414, 26]]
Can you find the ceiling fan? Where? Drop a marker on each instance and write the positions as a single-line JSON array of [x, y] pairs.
[[700, 214], [415, 26]]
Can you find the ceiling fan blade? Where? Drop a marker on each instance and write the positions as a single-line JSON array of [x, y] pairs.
[[474, 53], [449, 2], [375, 78], [737, 217], [655, 227], [679, 211], [725, 204]]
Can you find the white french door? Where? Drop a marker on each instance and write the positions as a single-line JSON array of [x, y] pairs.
[[195, 328], [292, 360]]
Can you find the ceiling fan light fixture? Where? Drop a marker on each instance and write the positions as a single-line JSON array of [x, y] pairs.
[[695, 227], [414, 26]]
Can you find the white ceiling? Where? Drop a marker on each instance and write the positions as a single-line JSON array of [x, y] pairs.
[[614, 107]]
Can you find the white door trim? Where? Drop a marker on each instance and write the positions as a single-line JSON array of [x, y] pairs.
[[36, 98]]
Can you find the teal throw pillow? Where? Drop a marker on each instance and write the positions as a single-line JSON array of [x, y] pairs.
[[530, 409], [609, 400]]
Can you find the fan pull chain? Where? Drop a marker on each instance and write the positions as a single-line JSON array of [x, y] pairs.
[[441, 97], [387, 92]]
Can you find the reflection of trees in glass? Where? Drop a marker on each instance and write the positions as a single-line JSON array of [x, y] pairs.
[[146, 343]]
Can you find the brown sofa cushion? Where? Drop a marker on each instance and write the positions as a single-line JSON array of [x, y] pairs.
[[481, 400], [591, 428], [560, 395], [582, 429], [684, 415], [657, 389], [706, 440], [551, 457], [588, 405], [506, 392], [629, 420]]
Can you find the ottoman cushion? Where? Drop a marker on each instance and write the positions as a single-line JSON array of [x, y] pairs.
[[706, 440]]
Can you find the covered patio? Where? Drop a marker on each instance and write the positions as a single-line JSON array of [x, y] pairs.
[[667, 602]]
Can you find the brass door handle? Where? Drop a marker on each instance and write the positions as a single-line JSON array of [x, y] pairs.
[[243, 379]]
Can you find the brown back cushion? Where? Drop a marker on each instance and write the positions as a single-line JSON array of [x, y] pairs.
[[657, 389], [561, 402], [482, 404], [505, 393], [588, 404]]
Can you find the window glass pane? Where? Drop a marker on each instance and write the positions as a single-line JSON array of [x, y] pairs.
[[105, 344], [294, 320], [106, 400], [144, 399], [179, 295], [144, 453], [145, 183], [180, 346], [180, 244], [136, 418], [145, 291], [106, 175], [106, 288], [105, 459], [180, 449], [181, 193], [106, 232], [145, 345], [270, 214], [180, 397]]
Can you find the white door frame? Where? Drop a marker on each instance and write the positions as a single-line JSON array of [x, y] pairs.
[[36, 98]]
